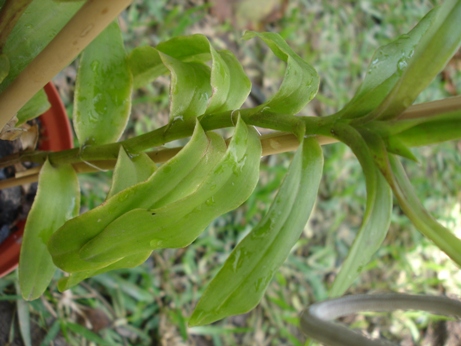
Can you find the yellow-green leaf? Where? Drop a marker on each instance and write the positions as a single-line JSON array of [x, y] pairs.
[[57, 200]]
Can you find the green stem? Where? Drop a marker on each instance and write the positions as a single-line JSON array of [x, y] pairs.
[[283, 123]]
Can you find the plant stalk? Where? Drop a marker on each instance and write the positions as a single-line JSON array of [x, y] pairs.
[[273, 143], [87, 23], [92, 159]]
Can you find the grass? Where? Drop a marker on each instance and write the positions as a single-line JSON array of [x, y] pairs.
[[149, 305]]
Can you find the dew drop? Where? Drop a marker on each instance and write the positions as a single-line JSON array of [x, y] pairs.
[[402, 64]]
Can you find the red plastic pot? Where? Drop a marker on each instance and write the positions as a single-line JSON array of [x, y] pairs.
[[56, 135]]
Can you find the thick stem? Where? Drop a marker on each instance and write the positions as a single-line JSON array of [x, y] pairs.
[[273, 143], [87, 159], [87, 23]]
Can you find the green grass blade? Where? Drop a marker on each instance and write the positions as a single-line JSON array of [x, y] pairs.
[[57, 200], [103, 89], [23, 318], [242, 281]]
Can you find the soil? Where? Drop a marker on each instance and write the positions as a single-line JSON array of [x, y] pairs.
[[15, 202]]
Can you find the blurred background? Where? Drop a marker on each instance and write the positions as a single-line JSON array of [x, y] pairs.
[[149, 305]]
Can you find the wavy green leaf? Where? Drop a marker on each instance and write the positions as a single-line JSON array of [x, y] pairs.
[[145, 62], [103, 89], [229, 84], [377, 215], [300, 83], [177, 224], [201, 152], [240, 284], [57, 200], [128, 172], [190, 88]]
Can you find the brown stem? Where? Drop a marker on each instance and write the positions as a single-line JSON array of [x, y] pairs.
[[86, 24]]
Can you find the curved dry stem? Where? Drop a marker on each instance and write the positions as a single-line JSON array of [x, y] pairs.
[[315, 321]]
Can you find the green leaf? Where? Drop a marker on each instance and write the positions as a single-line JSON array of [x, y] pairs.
[[441, 128], [190, 88], [399, 71], [38, 25], [57, 200], [36, 106], [127, 262], [377, 215], [229, 84], [130, 171], [177, 224], [103, 90], [430, 55], [443, 238], [4, 67], [300, 83], [393, 171], [201, 149], [396, 146], [146, 64], [240, 284]]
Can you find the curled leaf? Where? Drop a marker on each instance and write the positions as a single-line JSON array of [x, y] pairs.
[[177, 224], [300, 83], [68, 240]]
